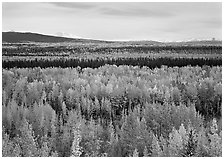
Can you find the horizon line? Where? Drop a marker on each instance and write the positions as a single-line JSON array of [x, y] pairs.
[[121, 40]]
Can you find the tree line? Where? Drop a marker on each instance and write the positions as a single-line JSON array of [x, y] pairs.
[[97, 62]]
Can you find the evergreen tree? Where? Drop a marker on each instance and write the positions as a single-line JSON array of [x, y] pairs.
[[16, 151], [112, 140], [53, 138], [54, 154], [175, 143], [45, 149], [129, 135], [76, 149], [145, 152], [215, 147], [144, 136], [27, 140], [156, 149], [190, 146], [164, 146], [202, 148], [135, 153], [183, 133], [7, 145]]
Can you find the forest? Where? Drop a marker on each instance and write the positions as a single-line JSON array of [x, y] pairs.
[[45, 62], [100, 79], [112, 110], [44, 49]]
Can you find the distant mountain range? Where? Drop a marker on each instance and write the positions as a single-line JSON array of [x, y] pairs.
[[18, 37], [197, 42]]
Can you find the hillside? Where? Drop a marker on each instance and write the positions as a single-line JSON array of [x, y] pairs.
[[18, 37]]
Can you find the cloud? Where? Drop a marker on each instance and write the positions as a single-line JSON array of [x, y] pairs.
[[77, 5], [67, 35], [118, 9], [215, 22], [137, 12], [153, 21]]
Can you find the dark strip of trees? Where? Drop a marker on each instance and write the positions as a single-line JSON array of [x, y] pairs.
[[95, 63]]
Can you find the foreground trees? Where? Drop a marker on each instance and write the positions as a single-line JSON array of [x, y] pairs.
[[112, 111]]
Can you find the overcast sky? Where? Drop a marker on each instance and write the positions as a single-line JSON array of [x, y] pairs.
[[117, 21]]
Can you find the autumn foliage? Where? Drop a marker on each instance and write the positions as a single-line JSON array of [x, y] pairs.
[[112, 111]]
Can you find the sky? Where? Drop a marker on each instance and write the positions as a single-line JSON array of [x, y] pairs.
[[164, 21]]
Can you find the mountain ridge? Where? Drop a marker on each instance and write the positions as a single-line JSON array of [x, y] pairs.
[[19, 37], [23, 37]]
